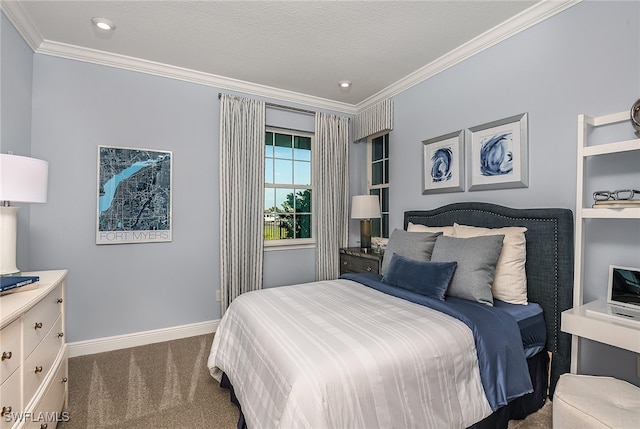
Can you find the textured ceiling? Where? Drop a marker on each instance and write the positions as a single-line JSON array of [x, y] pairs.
[[299, 47]]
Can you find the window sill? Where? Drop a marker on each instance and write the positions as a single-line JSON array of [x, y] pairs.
[[270, 246]]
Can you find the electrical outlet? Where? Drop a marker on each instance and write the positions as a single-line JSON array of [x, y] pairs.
[[218, 298]]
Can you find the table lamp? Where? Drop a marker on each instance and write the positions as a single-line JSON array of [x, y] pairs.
[[24, 180], [365, 207]]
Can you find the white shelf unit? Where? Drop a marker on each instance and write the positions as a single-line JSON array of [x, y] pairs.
[[578, 321]]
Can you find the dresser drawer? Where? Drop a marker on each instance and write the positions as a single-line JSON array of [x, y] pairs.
[[39, 319], [355, 264], [48, 410], [38, 364], [10, 399], [9, 349]]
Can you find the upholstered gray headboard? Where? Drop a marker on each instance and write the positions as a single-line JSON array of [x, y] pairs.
[[549, 263]]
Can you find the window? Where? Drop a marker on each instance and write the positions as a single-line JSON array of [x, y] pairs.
[[378, 181], [287, 189]]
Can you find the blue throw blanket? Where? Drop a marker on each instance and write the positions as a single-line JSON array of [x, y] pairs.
[[503, 367]]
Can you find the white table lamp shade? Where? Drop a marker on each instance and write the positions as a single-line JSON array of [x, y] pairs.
[[22, 180], [365, 207]]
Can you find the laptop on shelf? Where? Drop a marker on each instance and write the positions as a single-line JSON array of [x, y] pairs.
[[623, 295]]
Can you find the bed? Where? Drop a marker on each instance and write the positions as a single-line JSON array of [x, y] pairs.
[[361, 351]]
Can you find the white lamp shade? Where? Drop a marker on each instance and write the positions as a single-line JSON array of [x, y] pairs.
[[23, 179], [365, 207]]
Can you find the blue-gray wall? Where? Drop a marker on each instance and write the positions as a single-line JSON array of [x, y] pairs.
[[119, 289], [78, 106], [16, 66], [585, 59]]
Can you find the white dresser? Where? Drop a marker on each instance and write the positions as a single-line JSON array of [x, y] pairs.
[[33, 371]]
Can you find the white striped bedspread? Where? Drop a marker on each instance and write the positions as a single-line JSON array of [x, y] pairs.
[[337, 354]]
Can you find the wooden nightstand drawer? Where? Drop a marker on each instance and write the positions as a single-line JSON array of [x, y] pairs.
[[353, 260], [354, 264]]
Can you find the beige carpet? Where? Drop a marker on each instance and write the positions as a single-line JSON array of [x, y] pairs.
[[165, 385]]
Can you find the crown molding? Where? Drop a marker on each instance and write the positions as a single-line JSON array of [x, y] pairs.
[[25, 26], [21, 21], [63, 50], [528, 18]]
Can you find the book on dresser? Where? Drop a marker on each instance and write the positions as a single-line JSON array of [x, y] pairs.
[[11, 284]]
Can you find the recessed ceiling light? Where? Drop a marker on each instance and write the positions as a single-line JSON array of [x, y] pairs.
[[344, 83], [103, 24]]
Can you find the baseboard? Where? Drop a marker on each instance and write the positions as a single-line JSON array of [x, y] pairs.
[[99, 345]]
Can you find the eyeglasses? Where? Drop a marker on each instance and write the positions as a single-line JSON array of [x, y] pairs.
[[620, 194]]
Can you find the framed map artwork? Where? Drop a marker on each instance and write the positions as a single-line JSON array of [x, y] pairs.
[[134, 196]]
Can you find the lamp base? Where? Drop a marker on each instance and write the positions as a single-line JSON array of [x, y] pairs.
[[365, 234], [8, 227]]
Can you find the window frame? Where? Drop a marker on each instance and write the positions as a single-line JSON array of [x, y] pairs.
[[292, 243], [383, 185]]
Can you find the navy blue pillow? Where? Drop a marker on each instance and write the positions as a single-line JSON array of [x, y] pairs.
[[426, 278]]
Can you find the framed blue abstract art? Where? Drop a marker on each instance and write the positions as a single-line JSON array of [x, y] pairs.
[[443, 164], [498, 154]]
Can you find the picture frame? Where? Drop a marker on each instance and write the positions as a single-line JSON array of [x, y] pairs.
[[498, 154], [443, 163], [134, 195]]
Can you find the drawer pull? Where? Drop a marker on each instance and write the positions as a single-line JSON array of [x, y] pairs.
[[44, 426], [64, 379], [38, 325], [38, 369], [59, 301], [6, 355], [368, 268], [60, 334], [5, 410], [345, 263]]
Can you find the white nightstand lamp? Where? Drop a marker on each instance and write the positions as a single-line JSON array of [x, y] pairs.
[[365, 208], [24, 180]]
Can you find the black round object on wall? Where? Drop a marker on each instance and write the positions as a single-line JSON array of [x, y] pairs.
[[635, 117]]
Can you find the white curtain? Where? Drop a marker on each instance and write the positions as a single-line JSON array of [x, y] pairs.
[[242, 128], [374, 119], [330, 192]]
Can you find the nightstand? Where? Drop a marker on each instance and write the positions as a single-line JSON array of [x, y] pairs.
[[355, 260]]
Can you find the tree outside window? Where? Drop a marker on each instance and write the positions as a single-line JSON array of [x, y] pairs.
[[288, 193]]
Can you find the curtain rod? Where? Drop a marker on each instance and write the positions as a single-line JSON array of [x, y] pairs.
[[280, 106]]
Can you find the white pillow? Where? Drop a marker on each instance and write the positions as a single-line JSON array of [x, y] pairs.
[[510, 281], [445, 230]]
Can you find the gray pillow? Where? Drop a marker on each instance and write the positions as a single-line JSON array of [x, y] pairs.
[[412, 245], [477, 258]]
